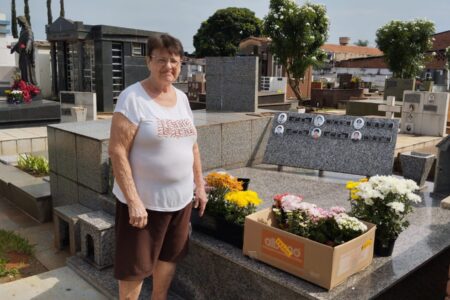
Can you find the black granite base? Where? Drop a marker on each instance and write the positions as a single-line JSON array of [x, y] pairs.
[[35, 112], [104, 281]]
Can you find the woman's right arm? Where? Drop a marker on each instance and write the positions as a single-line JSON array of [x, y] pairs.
[[122, 135]]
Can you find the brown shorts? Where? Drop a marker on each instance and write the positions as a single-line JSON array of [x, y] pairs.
[[166, 238]]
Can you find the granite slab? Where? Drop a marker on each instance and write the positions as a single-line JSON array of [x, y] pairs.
[[353, 145]]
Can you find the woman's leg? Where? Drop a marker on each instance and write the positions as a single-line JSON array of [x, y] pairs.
[[162, 277], [129, 290]]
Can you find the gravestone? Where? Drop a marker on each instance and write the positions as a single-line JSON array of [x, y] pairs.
[[35, 112], [442, 172], [232, 84], [396, 86], [345, 80], [346, 144], [69, 99], [425, 113], [390, 108]]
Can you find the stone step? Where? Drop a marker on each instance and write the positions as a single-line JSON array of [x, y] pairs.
[[105, 282], [67, 227]]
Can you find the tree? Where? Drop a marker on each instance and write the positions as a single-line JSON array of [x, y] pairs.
[[49, 12], [27, 11], [297, 33], [14, 20], [221, 33], [404, 44], [362, 43], [62, 12]]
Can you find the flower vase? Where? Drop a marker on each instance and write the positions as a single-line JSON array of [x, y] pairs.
[[245, 182], [218, 227], [384, 248]]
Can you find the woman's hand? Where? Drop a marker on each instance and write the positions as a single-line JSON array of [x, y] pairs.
[[200, 200], [138, 214]]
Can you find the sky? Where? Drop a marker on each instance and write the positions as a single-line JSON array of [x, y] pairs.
[[357, 19]]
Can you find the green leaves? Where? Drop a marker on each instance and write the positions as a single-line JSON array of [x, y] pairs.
[[36, 165], [297, 33], [404, 44], [221, 34]]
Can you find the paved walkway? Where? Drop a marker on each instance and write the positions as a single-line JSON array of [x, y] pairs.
[[23, 140], [59, 282]]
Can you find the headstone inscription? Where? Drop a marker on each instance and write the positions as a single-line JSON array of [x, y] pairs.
[[425, 113], [345, 144], [71, 99]]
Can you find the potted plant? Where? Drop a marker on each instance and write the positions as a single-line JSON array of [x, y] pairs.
[[384, 201], [228, 205], [327, 226]]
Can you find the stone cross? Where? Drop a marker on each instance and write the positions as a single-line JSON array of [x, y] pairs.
[[390, 107]]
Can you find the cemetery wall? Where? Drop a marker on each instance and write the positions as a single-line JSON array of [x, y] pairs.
[[79, 161]]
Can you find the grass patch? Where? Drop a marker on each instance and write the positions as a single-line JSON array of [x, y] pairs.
[[11, 242], [35, 165]]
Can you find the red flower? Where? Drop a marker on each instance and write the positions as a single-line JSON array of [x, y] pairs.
[[28, 90]]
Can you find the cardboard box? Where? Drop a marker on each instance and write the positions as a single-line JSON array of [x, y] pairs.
[[318, 263]]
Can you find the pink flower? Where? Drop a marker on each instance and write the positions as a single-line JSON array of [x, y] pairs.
[[291, 202]]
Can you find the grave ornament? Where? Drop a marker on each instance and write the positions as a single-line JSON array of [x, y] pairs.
[[25, 48]]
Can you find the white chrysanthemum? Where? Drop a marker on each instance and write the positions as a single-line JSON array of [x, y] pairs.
[[412, 185], [414, 198], [398, 207], [368, 201], [345, 222]]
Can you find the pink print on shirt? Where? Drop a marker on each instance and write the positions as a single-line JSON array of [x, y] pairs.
[[175, 128]]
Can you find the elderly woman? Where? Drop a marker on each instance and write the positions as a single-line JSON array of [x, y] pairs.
[[156, 161]]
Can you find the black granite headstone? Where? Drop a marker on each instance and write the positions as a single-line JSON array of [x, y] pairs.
[[345, 144]]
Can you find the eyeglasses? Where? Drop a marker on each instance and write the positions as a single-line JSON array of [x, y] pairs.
[[162, 61]]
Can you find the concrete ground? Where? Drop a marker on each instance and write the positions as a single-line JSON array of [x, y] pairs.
[[59, 282]]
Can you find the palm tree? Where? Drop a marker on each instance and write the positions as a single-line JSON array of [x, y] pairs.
[[61, 5], [27, 12], [13, 19], [49, 12]]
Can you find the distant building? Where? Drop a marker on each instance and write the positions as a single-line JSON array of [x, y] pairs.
[[374, 69], [7, 60], [436, 69], [343, 51], [97, 58], [337, 54], [268, 65], [191, 66]]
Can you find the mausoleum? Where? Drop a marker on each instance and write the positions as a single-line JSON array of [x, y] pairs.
[[97, 58]]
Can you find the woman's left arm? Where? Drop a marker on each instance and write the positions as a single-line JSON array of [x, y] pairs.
[[200, 194]]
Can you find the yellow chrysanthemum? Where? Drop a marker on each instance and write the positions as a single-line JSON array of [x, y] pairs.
[[354, 194], [223, 180], [243, 198]]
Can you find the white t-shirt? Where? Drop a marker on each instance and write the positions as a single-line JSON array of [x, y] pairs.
[[161, 156]]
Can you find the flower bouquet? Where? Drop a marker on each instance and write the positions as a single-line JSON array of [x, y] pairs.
[[327, 226], [384, 201], [228, 205], [21, 91]]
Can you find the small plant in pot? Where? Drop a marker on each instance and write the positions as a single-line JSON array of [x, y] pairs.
[[228, 205], [384, 201]]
